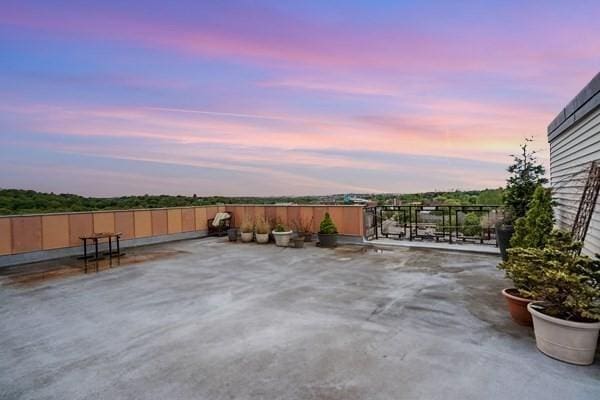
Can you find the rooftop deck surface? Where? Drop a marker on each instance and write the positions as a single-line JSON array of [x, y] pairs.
[[208, 319]]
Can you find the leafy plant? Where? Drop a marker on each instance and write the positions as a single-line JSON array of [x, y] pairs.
[[247, 226], [327, 227], [533, 229], [262, 226], [472, 225], [523, 266], [569, 284], [526, 175], [280, 228]]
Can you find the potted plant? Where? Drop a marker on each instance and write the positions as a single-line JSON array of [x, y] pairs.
[[327, 232], [282, 235], [247, 230], [298, 242], [526, 175], [566, 321], [304, 228], [262, 230], [531, 232], [232, 234]]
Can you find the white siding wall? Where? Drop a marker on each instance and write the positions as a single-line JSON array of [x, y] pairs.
[[570, 154]]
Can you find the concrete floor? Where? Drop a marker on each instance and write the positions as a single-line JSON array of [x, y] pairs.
[[214, 320]]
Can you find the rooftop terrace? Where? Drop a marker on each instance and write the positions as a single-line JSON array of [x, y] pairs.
[[217, 320]]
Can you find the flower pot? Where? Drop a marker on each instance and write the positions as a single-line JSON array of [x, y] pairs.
[[262, 238], [517, 306], [569, 341], [299, 242], [327, 240], [503, 235], [232, 234], [308, 237], [247, 236], [282, 239]]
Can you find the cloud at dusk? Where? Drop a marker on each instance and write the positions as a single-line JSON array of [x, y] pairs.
[[273, 98]]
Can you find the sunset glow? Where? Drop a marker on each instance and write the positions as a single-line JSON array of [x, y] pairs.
[[278, 98]]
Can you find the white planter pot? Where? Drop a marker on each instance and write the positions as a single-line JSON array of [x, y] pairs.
[[569, 341], [247, 236], [282, 239], [262, 238]]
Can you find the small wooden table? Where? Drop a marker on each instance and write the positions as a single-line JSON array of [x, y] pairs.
[[95, 237]]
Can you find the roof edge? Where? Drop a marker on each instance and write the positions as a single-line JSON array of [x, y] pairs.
[[586, 101]]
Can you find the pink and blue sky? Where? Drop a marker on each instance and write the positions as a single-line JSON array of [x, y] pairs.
[[282, 98]]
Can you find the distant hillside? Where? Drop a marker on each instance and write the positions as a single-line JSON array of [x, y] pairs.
[[16, 201]]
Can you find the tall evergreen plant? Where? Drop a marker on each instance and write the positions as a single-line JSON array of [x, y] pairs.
[[526, 175], [534, 228]]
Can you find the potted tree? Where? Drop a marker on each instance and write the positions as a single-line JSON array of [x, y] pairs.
[[566, 321], [526, 175], [282, 235], [262, 230], [327, 232], [531, 232], [247, 230]]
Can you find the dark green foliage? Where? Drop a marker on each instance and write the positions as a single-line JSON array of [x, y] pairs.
[[472, 225], [526, 175], [280, 228], [568, 283], [327, 227], [533, 229], [15, 201]]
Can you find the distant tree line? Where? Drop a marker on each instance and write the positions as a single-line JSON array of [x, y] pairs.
[[17, 201]]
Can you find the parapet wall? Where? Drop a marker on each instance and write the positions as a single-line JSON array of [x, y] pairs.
[[46, 234]]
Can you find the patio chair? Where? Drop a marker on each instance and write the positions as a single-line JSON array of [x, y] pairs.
[[219, 225]]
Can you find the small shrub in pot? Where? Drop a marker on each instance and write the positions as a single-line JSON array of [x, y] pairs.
[[262, 230], [327, 232], [282, 235], [567, 318], [247, 230]]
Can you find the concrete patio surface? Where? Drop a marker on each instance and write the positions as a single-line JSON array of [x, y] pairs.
[[208, 319]]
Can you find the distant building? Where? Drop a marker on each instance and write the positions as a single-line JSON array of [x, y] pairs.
[[574, 137]]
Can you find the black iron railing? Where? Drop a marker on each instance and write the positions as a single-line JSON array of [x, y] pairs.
[[453, 223]]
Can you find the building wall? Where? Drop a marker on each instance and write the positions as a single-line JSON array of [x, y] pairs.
[[574, 138], [41, 232]]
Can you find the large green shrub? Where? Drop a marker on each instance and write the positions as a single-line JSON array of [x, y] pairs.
[[327, 227], [533, 229], [567, 283], [570, 283], [526, 175]]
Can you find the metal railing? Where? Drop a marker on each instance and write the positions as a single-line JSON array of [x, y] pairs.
[[474, 223]]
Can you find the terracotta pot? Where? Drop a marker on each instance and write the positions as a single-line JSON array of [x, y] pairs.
[[517, 306], [569, 341], [247, 236], [282, 239], [262, 238]]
